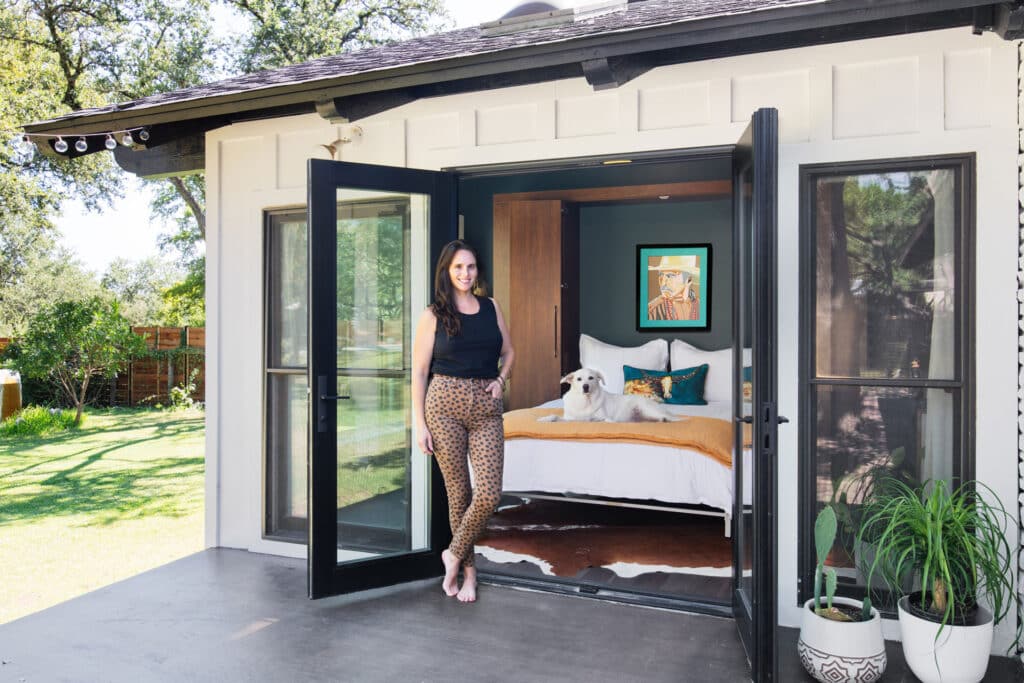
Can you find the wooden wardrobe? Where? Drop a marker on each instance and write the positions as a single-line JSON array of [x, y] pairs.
[[536, 282]]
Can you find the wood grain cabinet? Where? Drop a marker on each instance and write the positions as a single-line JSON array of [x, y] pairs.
[[536, 282]]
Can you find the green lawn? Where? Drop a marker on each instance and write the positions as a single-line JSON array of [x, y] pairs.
[[82, 509]]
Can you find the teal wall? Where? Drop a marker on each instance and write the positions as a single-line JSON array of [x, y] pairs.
[[609, 234], [608, 238]]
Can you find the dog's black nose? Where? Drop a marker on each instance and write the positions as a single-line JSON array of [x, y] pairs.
[[586, 388]]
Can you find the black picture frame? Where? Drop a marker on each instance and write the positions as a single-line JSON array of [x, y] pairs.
[[688, 269]]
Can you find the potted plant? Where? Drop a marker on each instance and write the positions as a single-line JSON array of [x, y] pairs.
[[840, 638], [952, 542]]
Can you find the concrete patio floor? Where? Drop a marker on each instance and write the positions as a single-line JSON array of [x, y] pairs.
[[228, 615]]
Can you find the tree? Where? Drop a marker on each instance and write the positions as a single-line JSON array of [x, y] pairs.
[[41, 272], [139, 287], [286, 32], [71, 342]]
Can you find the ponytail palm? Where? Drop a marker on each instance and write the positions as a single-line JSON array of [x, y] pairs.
[[952, 541]]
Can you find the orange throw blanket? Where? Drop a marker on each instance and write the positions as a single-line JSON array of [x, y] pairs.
[[708, 435]]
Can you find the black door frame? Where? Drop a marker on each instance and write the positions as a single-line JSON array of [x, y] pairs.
[[757, 614], [325, 576]]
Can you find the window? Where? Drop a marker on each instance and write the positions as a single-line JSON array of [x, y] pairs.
[[374, 336], [286, 322], [885, 354]]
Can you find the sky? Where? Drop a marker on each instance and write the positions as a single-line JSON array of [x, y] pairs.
[[125, 230]]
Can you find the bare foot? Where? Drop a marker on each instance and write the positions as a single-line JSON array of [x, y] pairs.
[[451, 573], [468, 591]]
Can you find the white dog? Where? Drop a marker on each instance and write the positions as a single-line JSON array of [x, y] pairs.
[[587, 401]]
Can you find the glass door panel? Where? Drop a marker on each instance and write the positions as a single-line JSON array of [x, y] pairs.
[[755, 389], [373, 496]]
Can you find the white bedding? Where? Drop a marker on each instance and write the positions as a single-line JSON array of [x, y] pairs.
[[624, 470]]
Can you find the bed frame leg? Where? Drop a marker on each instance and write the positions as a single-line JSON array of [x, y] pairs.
[[728, 525]]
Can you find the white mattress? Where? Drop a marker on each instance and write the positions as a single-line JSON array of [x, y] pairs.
[[623, 470]]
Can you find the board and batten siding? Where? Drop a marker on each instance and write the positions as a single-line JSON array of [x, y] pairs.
[[942, 92]]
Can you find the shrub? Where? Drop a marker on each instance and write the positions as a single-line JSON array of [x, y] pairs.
[[181, 395], [38, 421]]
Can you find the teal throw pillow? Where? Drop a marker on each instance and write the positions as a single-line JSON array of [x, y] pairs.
[[679, 387]]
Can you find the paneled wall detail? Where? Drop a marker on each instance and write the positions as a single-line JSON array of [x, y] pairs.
[[294, 148], [674, 106], [966, 88], [910, 86], [505, 124], [875, 98], [789, 92], [596, 114], [435, 132]]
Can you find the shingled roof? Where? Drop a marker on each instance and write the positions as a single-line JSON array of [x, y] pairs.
[[608, 47], [455, 45]]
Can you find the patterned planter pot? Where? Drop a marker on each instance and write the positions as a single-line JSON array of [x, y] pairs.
[[841, 652]]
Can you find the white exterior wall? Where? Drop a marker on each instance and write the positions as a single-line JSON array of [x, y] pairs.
[[943, 92]]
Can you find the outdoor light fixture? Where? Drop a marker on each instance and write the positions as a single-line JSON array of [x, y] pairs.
[[127, 137]]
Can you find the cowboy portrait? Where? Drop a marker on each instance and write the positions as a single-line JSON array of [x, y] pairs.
[[677, 284]]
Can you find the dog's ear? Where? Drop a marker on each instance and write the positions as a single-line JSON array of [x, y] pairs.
[[600, 377], [567, 379]]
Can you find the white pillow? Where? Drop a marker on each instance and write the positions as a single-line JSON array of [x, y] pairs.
[[609, 359], [718, 383]]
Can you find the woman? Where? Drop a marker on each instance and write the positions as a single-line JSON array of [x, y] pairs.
[[459, 341]]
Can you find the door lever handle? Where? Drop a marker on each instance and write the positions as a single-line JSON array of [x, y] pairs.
[[749, 419], [324, 395], [781, 419]]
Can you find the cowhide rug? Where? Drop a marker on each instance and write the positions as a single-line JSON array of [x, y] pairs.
[[564, 539]]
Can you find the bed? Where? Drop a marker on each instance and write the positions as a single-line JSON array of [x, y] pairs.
[[635, 474]]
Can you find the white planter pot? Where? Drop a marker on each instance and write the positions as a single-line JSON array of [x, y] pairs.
[[838, 651], [958, 655]]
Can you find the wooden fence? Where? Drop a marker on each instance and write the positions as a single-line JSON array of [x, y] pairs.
[[177, 351]]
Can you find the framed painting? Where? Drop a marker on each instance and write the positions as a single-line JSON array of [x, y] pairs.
[[673, 287]]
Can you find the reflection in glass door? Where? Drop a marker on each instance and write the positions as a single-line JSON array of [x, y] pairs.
[[376, 498]]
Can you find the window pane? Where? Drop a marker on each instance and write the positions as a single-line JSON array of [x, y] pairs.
[[286, 442], [372, 301], [374, 465], [286, 328], [885, 274], [865, 434]]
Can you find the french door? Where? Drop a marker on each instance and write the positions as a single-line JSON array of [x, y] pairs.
[[377, 507], [755, 391]]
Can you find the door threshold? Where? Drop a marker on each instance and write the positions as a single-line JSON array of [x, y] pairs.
[[714, 609]]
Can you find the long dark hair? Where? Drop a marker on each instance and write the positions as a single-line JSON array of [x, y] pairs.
[[444, 299]]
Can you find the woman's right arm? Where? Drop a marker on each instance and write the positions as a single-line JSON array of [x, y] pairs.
[[422, 353]]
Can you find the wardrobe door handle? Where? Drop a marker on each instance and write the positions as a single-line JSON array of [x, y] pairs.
[[555, 329]]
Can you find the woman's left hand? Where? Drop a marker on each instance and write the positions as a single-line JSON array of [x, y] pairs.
[[495, 389]]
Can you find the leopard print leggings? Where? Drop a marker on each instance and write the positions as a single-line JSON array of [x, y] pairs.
[[461, 415]]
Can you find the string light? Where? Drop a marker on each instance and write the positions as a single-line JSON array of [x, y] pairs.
[[128, 137]]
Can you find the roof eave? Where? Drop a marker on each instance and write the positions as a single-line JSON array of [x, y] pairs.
[[254, 103]]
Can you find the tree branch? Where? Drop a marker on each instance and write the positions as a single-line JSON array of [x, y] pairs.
[[193, 204]]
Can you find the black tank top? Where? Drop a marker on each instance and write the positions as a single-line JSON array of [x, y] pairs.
[[474, 352]]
